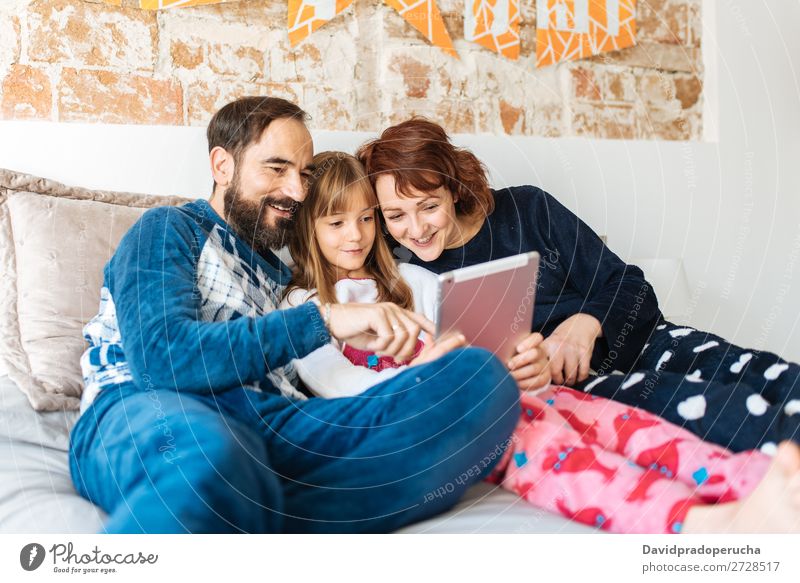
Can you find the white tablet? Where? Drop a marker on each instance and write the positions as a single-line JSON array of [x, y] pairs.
[[490, 303]]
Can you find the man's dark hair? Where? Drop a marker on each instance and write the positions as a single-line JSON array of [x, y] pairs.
[[241, 122]]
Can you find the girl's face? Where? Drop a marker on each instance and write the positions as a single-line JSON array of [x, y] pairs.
[[345, 239], [423, 222]]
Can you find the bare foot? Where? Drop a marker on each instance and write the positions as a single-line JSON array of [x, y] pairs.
[[773, 507]]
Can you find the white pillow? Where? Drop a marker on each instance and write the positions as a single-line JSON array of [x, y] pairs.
[[54, 242]]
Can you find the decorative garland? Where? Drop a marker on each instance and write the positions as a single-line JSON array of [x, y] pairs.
[[566, 30]]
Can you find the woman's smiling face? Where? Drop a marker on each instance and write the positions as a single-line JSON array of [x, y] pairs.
[[423, 222]]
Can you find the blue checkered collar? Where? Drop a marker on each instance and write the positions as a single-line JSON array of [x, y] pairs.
[[207, 218]]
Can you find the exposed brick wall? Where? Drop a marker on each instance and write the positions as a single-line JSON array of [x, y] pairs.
[[72, 60]]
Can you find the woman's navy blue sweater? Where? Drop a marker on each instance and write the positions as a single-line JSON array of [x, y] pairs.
[[577, 274]]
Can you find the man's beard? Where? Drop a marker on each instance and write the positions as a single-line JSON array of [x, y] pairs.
[[245, 216]]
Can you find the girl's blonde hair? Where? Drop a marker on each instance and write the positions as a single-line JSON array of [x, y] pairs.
[[337, 179]]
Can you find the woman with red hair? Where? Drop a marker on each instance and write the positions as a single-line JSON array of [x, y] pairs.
[[594, 310]]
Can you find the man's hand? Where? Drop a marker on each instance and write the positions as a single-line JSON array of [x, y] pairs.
[[530, 366], [570, 348], [437, 349], [384, 329]]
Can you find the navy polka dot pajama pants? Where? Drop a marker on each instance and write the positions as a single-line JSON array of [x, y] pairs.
[[738, 398]]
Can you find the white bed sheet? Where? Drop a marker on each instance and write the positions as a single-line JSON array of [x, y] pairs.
[[37, 496], [36, 492]]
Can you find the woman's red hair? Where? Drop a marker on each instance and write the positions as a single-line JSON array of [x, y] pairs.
[[418, 153]]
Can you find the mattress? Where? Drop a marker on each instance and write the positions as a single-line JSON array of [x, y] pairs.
[[37, 496]]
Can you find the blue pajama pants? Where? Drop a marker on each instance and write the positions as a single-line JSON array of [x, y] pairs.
[[738, 398], [160, 461]]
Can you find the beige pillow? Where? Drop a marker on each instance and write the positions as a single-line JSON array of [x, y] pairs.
[[54, 242]]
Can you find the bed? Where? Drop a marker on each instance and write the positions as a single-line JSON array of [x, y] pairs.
[[54, 240], [37, 496]]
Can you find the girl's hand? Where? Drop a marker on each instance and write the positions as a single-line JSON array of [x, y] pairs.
[[530, 367], [570, 348], [437, 349]]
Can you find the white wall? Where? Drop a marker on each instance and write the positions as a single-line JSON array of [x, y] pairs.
[[751, 243], [730, 209]]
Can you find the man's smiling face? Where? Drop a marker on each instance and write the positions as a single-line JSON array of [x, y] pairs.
[[269, 184]]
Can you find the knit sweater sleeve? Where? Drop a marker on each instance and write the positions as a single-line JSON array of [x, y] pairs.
[[615, 293], [152, 279]]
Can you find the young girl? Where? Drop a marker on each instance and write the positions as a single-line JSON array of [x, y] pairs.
[[595, 461]]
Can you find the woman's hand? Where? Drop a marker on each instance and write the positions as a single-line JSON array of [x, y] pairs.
[[530, 366], [437, 349], [570, 348], [384, 328]]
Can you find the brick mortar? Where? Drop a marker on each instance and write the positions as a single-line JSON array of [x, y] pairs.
[[491, 94]]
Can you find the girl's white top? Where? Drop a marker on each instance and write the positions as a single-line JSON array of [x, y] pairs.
[[326, 371]]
